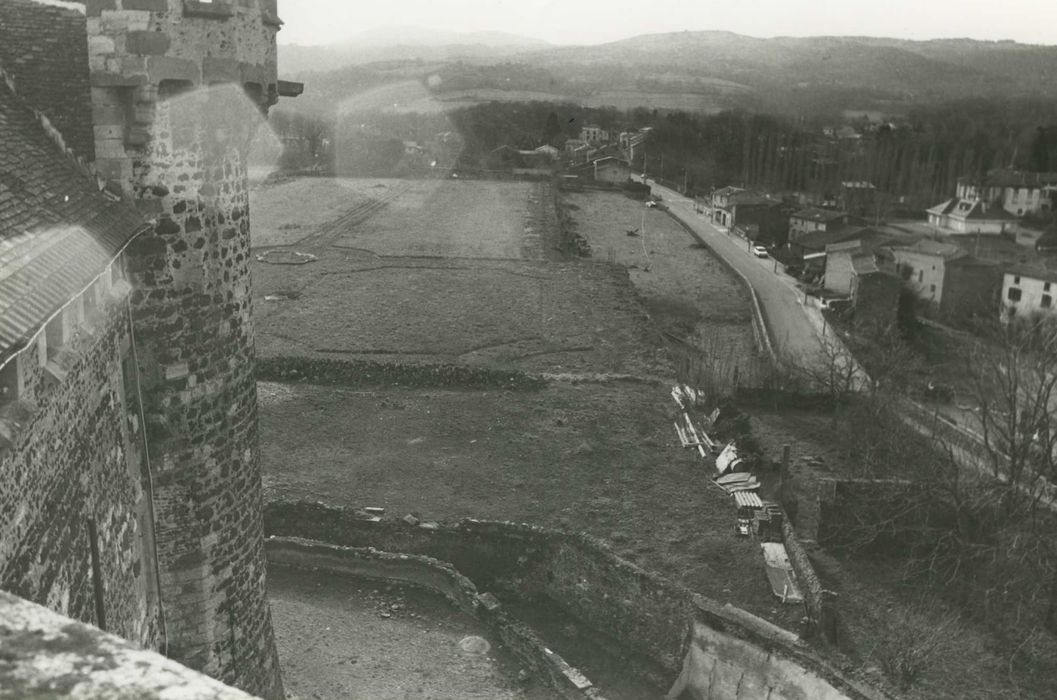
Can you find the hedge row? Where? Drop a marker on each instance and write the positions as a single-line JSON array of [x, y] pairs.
[[367, 373]]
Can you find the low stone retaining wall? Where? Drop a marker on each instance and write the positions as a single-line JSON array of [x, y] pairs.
[[663, 630], [364, 373], [439, 577]]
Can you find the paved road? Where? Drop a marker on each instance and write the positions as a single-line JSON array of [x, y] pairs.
[[793, 332]]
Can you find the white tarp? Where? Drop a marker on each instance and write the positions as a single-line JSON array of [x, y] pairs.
[[728, 460]]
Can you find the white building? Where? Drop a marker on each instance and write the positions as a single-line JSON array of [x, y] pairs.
[[1027, 291]]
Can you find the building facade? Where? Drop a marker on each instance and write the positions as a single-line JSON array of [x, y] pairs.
[[812, 220], [1027, 292], [154, 103]]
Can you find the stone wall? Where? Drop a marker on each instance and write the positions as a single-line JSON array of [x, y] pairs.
[[179, 88], [660, 629], [439, 577], [71, 458], [46, 655], [44, 49]]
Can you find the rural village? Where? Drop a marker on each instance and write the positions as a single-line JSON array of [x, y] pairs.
[[487, 376]]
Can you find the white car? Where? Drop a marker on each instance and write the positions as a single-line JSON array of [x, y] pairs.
[[651, 204], [759, 251]]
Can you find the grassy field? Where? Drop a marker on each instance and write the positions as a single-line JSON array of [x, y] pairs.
[[453, 218], [598, 458], [467, 273], [288, 210], [450, 272]]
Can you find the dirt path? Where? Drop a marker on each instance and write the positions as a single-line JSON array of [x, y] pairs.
[[350, 640]]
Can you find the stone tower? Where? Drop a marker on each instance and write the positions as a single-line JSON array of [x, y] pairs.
[[178, 89]]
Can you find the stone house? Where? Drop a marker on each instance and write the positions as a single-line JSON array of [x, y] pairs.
[[610, 169], [813, 220], [594, 134], [733, 206], [1018, 192], [962, 216], [949, 280], [1028, 291]]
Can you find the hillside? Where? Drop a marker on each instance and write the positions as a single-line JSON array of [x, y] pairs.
[[404, 44], [697, 71], [888, 68]]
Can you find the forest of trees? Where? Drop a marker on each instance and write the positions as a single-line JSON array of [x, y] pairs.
[[918, 157]]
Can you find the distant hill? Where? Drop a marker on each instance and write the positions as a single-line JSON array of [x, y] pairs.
[[688, 70], [885, 68], [404, 44]]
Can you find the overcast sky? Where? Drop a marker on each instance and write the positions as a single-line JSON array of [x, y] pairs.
[[596, 21]]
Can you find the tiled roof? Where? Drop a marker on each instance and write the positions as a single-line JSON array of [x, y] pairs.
[[819, 215], [44, 49], [1038, 273], [947, 251], [57, 232]]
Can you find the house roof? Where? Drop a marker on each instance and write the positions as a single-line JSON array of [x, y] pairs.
[[818, 240], [44, 50], [611, 160], [1012, 178], [819, 215], [864, 263], [1034, 272], [57, 231], [947, 251], [745, 198], [727, 191]]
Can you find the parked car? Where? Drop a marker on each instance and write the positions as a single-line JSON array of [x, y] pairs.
[[837, 304], [651, 204], [759, 251]]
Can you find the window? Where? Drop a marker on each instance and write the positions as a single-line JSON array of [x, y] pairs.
[[921, 275], [1013, 294], [1016, 280], [932, 288], [1046, 286], [1047, 301]]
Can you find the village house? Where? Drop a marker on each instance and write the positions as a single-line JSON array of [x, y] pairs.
[[732, 206], [854, 269], [949, 280], [1018, 192], [858, 198], [812, 220], [1028, 291], [610, 169], [594, 134], [962, 216]]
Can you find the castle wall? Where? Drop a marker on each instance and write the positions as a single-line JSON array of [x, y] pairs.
[[73, 455], [178, 90]]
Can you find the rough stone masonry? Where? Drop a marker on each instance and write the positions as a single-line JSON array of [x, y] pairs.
[[178, 89]]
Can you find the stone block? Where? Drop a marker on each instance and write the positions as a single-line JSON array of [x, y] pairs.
[[94, 8], [167, 68], [99, 78], [114, 169], [147, 43], [101, 45], [221, 70], [109, 131], [110, 148], [138, 21], [148, 5], [208, 10]]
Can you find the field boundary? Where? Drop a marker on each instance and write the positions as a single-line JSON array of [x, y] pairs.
[[309, 370], [760, 331]]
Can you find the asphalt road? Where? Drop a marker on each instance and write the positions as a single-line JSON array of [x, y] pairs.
[[794, 334]]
